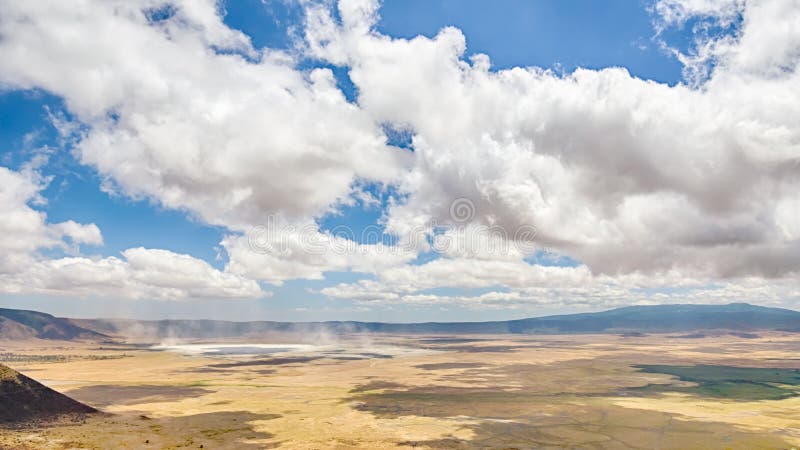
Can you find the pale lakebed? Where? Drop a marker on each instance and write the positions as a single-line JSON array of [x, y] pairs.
[[335, 350]]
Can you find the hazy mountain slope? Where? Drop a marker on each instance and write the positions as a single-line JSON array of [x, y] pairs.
[[666, 318], [22, 324], [660, 318], [23, 398]]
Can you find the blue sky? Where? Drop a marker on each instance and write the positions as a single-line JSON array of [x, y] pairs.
[[558, 35]]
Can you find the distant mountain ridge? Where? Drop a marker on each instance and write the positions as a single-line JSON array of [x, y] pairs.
[[679, 318], [668, 318], [738, 317], [23, 324]]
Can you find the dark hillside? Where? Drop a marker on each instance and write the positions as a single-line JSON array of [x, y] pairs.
[[22, 398]]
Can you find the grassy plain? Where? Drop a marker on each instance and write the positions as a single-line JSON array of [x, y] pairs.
[[584, 391]]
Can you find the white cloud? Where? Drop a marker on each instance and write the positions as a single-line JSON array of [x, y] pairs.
[[185, 112], [465, 273], [648, 185], [143, 273], [509, 284], [81, 234], [623, 174], [24, 230], [758, 37], [677, 12], [653, 187], [278, 255]]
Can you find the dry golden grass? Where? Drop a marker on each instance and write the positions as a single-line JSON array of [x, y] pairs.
[[501, 392]]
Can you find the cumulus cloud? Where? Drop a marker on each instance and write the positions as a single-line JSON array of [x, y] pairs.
[[624, 174], [181, 109], [647, 185], [24, 230], [481, 284], [745, 37], [305, 252], [176, 107], [141, 273]]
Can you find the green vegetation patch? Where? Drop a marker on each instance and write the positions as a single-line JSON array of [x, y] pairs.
[[735, 383]]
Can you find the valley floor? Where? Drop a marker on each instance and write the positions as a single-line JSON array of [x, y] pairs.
[[587, 391]]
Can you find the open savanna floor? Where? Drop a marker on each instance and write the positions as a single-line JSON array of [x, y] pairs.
[[584, 391]]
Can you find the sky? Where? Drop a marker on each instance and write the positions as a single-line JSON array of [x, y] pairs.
[[397, 161]]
